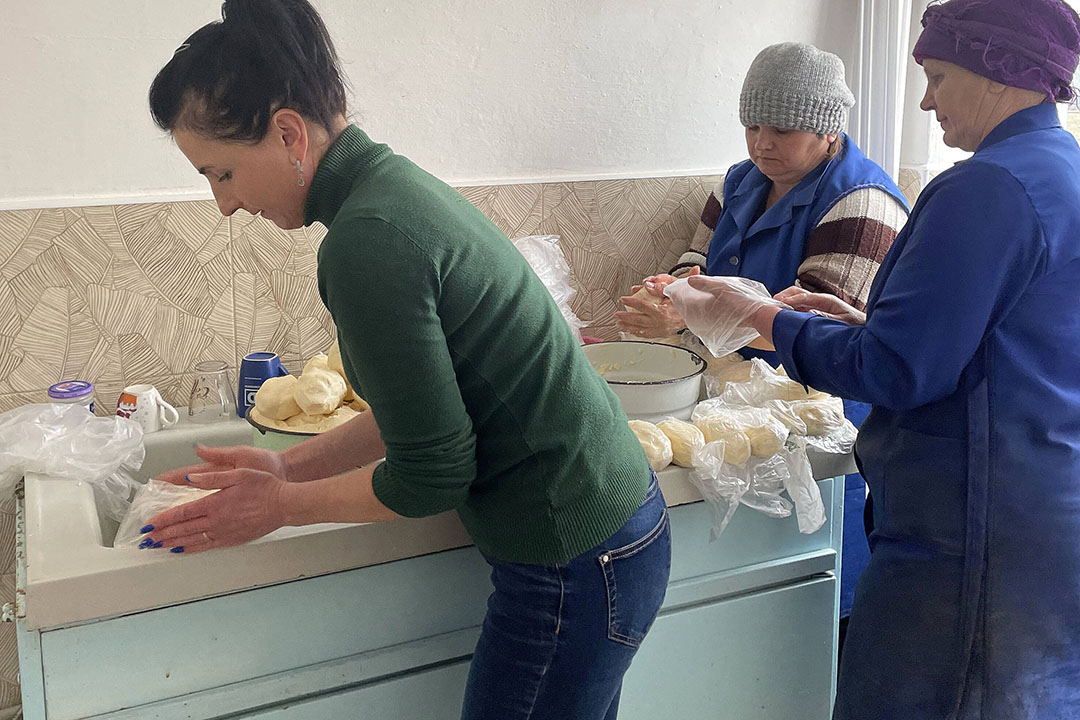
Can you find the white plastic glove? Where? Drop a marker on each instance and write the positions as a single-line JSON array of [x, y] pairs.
[[718, 309]]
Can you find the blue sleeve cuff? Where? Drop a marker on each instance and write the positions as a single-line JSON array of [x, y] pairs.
[[785, 331]]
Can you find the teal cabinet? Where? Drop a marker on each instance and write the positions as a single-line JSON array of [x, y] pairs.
[[748, 630]]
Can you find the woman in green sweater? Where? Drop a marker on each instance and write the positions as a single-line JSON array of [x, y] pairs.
[[481, 400]]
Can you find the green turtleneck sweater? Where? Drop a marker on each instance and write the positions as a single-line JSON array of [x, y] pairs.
[[483, 398]]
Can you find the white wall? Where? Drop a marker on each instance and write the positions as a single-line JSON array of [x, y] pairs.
[[478, 92]]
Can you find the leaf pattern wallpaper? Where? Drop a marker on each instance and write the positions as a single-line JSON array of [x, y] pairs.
[[141, 293]]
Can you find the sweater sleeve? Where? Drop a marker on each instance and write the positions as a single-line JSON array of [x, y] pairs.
[[845, 249], [710, 215], [972, 247], [383, 294]]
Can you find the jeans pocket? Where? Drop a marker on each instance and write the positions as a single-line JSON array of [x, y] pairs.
[[636, 577]]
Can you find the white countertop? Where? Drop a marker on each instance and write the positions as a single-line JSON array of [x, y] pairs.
[[72, 576]]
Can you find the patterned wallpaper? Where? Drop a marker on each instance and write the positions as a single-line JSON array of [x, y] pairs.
[[140, 293]]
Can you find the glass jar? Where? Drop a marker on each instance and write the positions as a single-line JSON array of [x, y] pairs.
[[73, 392]]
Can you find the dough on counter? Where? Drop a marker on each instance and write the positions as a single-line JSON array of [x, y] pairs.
[[655, 442], [333, 362], [319, 392], [359, 404], [317, 362], [684, 437], [767, 436], [275, 398], [320, 423], [726, 427], [333, 359], [823, 416], [729, 369]]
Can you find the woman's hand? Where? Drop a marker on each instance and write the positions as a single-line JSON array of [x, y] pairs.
[[218, 459], [246, 506], [821, 304], [655, 319]]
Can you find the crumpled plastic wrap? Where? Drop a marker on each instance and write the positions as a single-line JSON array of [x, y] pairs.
[[153, 497], [767, 401], [720, 324], [545, 257], [66, 441], [758, 484]]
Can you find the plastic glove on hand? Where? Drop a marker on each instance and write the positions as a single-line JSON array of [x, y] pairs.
[[720, 310]]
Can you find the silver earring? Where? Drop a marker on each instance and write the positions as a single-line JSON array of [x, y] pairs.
[[300, 173]]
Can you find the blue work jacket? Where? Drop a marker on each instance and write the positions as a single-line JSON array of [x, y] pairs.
[[770, 246], [970, 355]]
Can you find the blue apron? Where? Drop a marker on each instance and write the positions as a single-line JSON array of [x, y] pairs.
[[769, 247], [970, 606]]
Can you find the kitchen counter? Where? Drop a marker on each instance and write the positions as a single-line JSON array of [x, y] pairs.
[[379, 620], [74, 575]]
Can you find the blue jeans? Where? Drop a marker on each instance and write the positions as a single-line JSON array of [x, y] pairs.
[[557, 639]]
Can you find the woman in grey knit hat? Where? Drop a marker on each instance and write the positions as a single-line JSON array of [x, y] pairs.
[[807, 207]]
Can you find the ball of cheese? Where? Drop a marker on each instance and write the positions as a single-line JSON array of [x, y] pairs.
[[767, 438], [730, 369], [726, 427], [821, 415], [655, 442], [684, 438], [318, 362], [645, 295], [305, 422], [275, 398], [319, 392], [333, 362], [333, 359]]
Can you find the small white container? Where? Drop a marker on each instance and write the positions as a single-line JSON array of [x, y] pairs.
[[653, 381], [73, 392]]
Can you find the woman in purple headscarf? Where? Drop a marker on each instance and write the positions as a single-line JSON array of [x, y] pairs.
[[969, 352]]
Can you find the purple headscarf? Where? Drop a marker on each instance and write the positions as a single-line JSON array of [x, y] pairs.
[[1028, 44]]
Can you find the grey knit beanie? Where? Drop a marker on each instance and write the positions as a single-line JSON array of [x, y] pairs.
[[798, 87]]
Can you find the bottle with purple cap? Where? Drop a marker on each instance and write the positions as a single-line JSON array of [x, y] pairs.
[[73, 392]]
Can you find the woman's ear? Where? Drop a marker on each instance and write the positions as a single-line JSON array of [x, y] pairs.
[[290, 131]]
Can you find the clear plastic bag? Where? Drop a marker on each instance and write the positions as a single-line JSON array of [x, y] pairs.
[[767, 481], [765, 433], [801, 488], [545, 257], [66, 441], [153, 497], [840, 442], [721, 484], [720, 324]]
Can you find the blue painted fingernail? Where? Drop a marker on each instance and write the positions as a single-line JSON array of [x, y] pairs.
[[179, 549], [146, 529], [145, 544], [156, 545], [187, 479]]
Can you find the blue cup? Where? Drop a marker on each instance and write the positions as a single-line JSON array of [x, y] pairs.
[[255, 369]]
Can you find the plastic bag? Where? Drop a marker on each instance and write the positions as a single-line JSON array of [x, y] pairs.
[[545, 257], [720, 324], [840, 442], [721, 484], [757, 483], [66, 441], [800, 486], [153, 497], [765, 433]]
